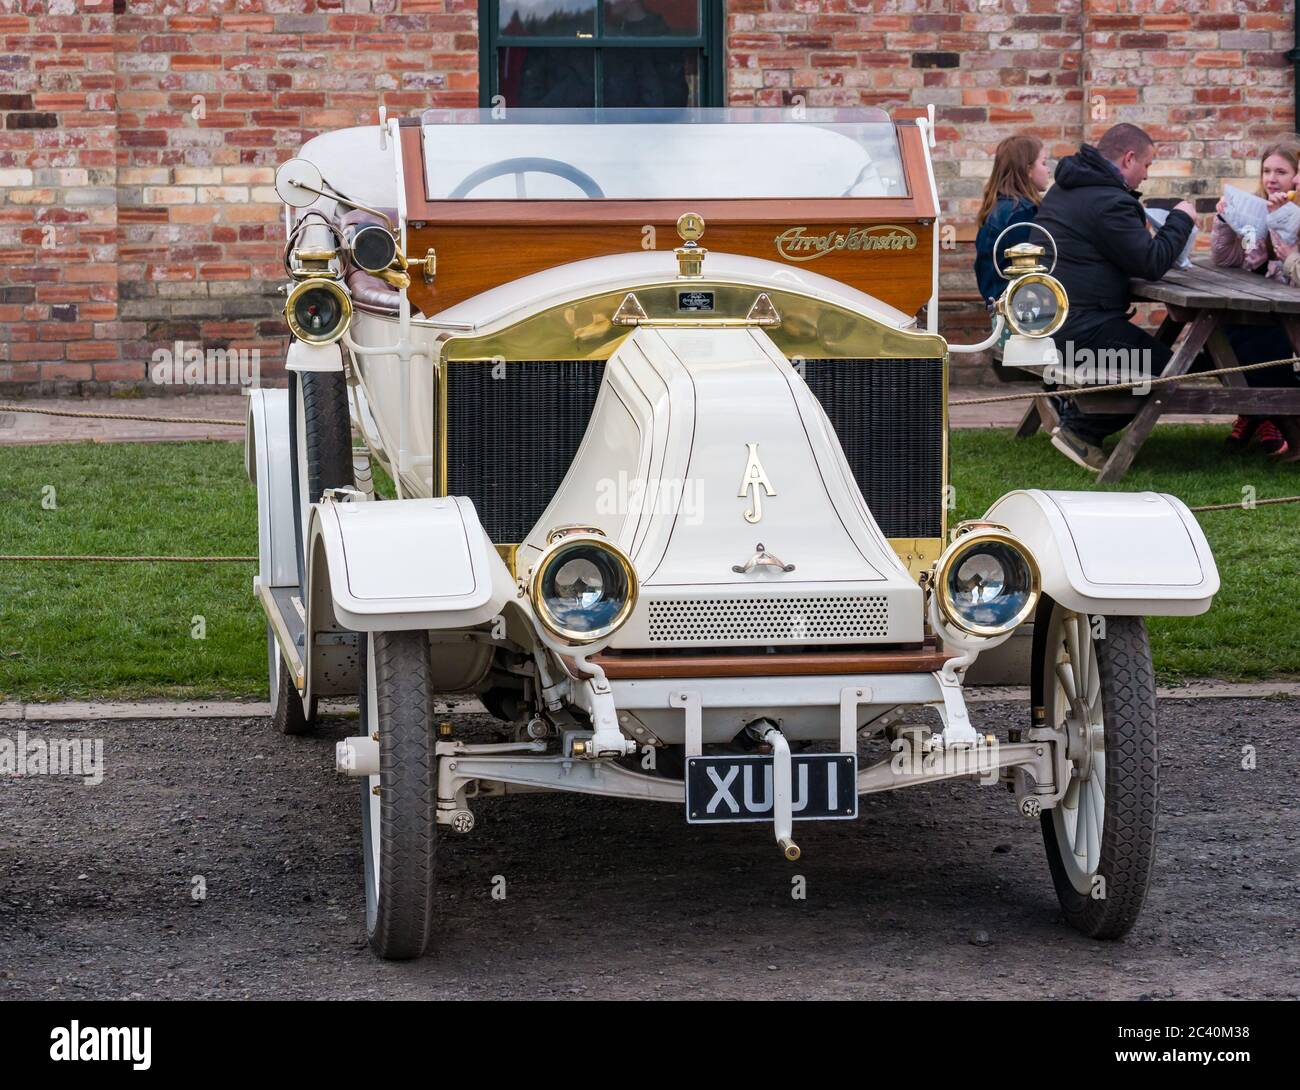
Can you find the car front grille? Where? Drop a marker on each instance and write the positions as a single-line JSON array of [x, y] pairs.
[[514, 428], [888, 415], [511, 438], [800, 619]]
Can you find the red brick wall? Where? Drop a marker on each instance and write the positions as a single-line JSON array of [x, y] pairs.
[[129, 221], [58, 215]]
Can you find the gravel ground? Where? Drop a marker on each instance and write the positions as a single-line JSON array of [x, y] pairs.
[[939, 891]]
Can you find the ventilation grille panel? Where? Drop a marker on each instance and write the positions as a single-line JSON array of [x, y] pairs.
[[768, 620]]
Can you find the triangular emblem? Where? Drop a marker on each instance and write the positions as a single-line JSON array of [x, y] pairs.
[[630, 311], [763, 312]]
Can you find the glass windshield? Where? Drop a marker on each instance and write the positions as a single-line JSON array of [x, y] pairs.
[[516, 154]]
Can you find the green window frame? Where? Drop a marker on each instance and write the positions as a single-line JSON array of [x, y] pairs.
[[708, 45]]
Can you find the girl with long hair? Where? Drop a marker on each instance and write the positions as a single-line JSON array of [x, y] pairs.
[[1014, 190], [1279, 172]]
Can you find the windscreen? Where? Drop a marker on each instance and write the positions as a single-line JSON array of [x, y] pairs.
[[511, 154]]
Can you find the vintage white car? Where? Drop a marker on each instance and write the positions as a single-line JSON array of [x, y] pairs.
[[677, 515]]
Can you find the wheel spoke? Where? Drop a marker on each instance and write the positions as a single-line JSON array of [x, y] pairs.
[[1069, 807], [1093, 697], [1072, 642], [1066, 677], [1083, 831], [1087, 656], [1097, 809]]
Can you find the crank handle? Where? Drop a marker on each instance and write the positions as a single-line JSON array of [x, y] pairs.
[[761, 558]]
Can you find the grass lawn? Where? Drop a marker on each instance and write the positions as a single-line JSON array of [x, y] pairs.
[[76, 631]]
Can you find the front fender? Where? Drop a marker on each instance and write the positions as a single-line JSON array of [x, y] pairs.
[[393, 565], [314, 357], [267, 460], [1116, 553]]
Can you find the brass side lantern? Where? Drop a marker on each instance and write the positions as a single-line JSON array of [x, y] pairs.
[[1035, 304]]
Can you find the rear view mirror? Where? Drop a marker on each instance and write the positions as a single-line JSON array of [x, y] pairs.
[[298, 183]]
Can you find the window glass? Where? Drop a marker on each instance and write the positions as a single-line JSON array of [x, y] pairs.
[[548, 18], [649, 77], [651, 18], [534, 77], [649, 154]]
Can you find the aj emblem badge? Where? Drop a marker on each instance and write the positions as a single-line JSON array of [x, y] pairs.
[[755, 478]]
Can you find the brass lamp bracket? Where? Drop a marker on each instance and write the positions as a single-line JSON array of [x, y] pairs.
[[307, 264], [690, 257], [1024, 258]]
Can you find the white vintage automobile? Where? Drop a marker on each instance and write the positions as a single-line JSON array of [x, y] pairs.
[[676, 516]]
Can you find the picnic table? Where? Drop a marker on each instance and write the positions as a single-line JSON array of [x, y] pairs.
[[1200, 303]]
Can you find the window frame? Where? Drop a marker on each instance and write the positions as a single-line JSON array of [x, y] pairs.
[[708, 44]]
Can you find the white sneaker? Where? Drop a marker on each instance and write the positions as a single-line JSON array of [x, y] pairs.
[[1082, 453]]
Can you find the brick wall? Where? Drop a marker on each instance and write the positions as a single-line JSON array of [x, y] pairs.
[[58, 214], [138, 139]]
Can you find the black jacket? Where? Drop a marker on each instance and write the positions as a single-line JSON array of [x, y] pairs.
[[1103, 239]]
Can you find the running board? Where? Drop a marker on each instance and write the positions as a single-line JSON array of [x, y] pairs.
[[283, 609]]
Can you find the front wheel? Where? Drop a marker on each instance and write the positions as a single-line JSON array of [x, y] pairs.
[[399, 806], [1099, 687], [288, 715], [322, 447]]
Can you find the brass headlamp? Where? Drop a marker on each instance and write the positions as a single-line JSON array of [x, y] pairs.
[[583, 587], [1034, 304], [318, 310]]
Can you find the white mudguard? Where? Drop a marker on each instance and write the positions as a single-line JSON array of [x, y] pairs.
[[313, 357], [268, 461], [1116, 553], [411, 564]]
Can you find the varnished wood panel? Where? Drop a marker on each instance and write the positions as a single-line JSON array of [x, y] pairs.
[[472, 259], [852, 661]]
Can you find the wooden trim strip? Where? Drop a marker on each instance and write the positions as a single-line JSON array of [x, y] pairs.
[[911, 145], [837, 211], [417, 195], [855, 661]]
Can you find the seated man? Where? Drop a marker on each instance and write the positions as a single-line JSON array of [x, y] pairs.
[[1103, 239]]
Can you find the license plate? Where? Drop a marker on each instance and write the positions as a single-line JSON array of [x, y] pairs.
[[824, 787]]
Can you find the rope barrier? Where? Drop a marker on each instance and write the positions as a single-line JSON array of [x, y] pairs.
[[1241, 505], [999, 399], [123, 416], [136, 559], [1117, 386]]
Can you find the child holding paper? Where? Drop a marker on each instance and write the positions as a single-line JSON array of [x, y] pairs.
[[1266, 254]]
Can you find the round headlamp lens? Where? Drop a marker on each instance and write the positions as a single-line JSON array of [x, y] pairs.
[[317, 311], [1033, 308], [990, 587], [585, 590]]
